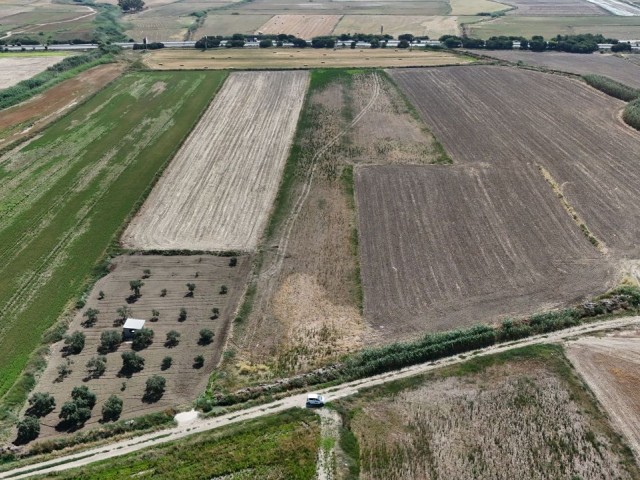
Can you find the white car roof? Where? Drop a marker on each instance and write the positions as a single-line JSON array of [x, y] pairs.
[[314, 396]]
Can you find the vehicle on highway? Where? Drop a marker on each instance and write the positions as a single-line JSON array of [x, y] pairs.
[[315, 400]]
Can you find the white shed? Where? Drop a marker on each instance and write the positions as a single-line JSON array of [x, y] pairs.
[[131, 326]]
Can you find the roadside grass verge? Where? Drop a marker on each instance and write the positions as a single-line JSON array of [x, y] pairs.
[[67, 195], [284, 445], [63, 70]]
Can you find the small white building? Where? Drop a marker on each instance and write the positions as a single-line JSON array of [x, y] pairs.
[[131, 326]]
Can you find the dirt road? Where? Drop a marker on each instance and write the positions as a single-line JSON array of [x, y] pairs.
[[350, 388]]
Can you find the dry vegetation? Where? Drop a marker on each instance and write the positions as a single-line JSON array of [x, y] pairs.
[[554, 7], [493, 418], [395, 25], [307, 306], [38, 112], [451, 246], [612, 66], [563, 125], [16, 69], [330, 7], [271, 58], [184, 382], [230, 24], [302, 26], [218, 189], [611, 367]]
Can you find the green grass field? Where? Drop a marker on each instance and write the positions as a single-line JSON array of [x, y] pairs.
[[65, 196], [282, 446]]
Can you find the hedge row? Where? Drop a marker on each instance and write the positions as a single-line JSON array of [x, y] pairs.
[[631, 114], [611, 87]]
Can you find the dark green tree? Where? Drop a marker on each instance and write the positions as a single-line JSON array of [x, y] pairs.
[[142, 339], [74, 343], [112, 409], [96, 366], [154, 388], [131, 5], [28, 429], [41, 404], [131, 363], [206, 336], [109, 341]]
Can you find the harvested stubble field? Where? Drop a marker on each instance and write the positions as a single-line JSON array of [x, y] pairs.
[[33, 115], [230, 24], [286, 58], [448, 246], [611, 367], [395, 25], [570, 129], [66, 193], [612, 66], [549, 26], [302, 26], [341, 7], [16, 69], [184, 382], [518, 415], [306, 309], [473, 7], [554, 7], [218, 190]]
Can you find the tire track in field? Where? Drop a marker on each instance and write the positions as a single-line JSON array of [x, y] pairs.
[[269, 275]]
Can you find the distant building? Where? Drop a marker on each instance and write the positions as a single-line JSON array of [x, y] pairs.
[[131, 326]]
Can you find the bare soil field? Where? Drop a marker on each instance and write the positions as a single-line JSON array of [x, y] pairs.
[[302, 26], [38, 112], [16, 69], [184, 382], [570, 129], [451, 246], [518, 416], [246, 59], [306, 309], [395, 25], [219, 188], [612, 66], [230, 24], [554, 7], [611, 367]]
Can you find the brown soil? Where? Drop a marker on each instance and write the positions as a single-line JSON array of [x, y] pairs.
[[217, 191], [517, 420], [448, 246], [184, 382], [302, 26], [33, 115], [482, 114], [611, 66], [611, 367]]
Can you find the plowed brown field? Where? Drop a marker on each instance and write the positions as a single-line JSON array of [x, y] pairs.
[[512, 118], [218, 190], [615, 67], [184, 382], [302, 26], [449, 246], [36, 113], [611, 367]]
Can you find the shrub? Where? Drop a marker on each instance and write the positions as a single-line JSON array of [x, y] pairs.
[[191, 288], [198, 361], [215, 313], [64, 370], [206, 336], [109, 341], [74, 343], [135, 286], [166, 363], [28, 429], [154, 388], [621, 47], [223, 290], [83, 396], [631, 114], [41, 404], [266, 43], [96, 366], [74, 415], [612, 88], [173, 338], [112, 409], [142, 339], [91, 317], [131, 363], [183, 315], [163, 292]]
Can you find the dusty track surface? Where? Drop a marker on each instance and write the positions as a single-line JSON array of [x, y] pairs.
[[16, 69], [217, 192], [611, 66], [302, 26], [565, 126], [34, 114], [185, 429], [611, 367], [184, 382], [449, 246]]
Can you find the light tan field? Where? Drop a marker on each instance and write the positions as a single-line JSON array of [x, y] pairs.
[[611, 367], [16, 69], [302, 26], [184, 382], [473, 7], [218, 190], [246, 59], [395, 25], [230, 24]]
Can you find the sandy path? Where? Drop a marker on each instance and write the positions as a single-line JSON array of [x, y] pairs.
[[218, 190], [185, 429]]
